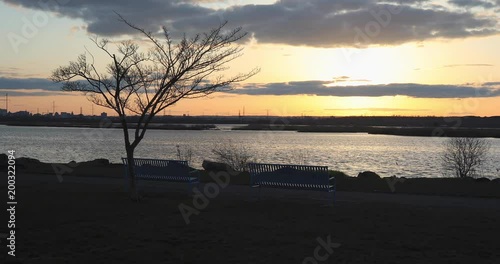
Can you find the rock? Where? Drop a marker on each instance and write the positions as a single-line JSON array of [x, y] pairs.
[[27, 162], [368, 175], [216, 166], [96, 163], [481, 180]]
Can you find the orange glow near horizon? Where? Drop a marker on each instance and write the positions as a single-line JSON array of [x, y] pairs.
[[432, 62], [231, 105]]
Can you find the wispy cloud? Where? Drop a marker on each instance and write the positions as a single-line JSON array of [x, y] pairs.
[[13, 72], [468, 65], [34, 92], [342, 79], [378, 109]]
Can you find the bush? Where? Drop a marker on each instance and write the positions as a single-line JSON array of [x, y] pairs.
[[464, 155], [237, 156], [184, 153], [369, 175]]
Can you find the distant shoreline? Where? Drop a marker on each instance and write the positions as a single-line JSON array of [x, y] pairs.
[[396, 131], [114, 125], [423, 131]]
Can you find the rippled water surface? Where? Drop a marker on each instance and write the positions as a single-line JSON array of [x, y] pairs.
[[351, 153]]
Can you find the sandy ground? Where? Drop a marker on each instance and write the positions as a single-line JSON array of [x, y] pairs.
[[91, 220]]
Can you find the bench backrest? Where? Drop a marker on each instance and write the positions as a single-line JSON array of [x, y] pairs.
[[158, 167], [284, 173]]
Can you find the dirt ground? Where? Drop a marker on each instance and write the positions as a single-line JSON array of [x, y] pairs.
[[92, 220]]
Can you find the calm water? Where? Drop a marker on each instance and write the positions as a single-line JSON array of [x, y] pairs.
[[351, 153]]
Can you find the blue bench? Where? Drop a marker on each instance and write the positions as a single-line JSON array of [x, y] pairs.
[[162, 170], [299, 177]]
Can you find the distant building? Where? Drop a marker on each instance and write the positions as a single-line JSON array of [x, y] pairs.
[[66, 115], [3, 112], [104, 115], [21, 113]]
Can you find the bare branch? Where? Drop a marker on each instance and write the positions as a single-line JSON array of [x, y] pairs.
[[145, 83]]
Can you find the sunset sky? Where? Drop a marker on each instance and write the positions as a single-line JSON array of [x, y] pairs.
[[317, 57]]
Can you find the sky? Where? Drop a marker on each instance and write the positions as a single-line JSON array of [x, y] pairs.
[[317, 57]]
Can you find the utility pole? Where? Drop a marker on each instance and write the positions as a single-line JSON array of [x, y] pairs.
[[92, 110], [6, 102], [53, 107]]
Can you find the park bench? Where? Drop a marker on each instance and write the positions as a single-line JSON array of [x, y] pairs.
[[300, 177], [162, 170]]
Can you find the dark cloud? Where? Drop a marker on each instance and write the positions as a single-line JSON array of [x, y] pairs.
[[320, 88], [28, 83], [101, 19], [492, 84], [318, 23], [44, 87], [473, 3]]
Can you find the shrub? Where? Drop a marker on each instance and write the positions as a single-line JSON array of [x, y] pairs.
[[184, 153], [237, 156], [464, 155]]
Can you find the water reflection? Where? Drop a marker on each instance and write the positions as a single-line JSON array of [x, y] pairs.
[[351, 153]]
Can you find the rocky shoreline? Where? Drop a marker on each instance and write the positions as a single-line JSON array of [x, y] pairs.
[[364, 182]]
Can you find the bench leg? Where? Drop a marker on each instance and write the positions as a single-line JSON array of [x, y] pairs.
[[331, 197]]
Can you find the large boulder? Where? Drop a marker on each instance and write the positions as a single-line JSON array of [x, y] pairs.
[[27, 163], [482, 180], [368, 175], [96, 163]]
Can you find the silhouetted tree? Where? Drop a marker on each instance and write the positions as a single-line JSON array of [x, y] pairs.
[[465, 155], [145, 83]]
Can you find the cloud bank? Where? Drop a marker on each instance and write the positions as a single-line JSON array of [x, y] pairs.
[[322, 88], [316, 23], [39, 86]]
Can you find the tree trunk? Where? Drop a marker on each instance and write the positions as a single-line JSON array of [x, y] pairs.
[[131, 174]]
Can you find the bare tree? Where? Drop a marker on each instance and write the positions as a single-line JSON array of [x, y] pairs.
[[145, 83], [465, 155], [235, 155]]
